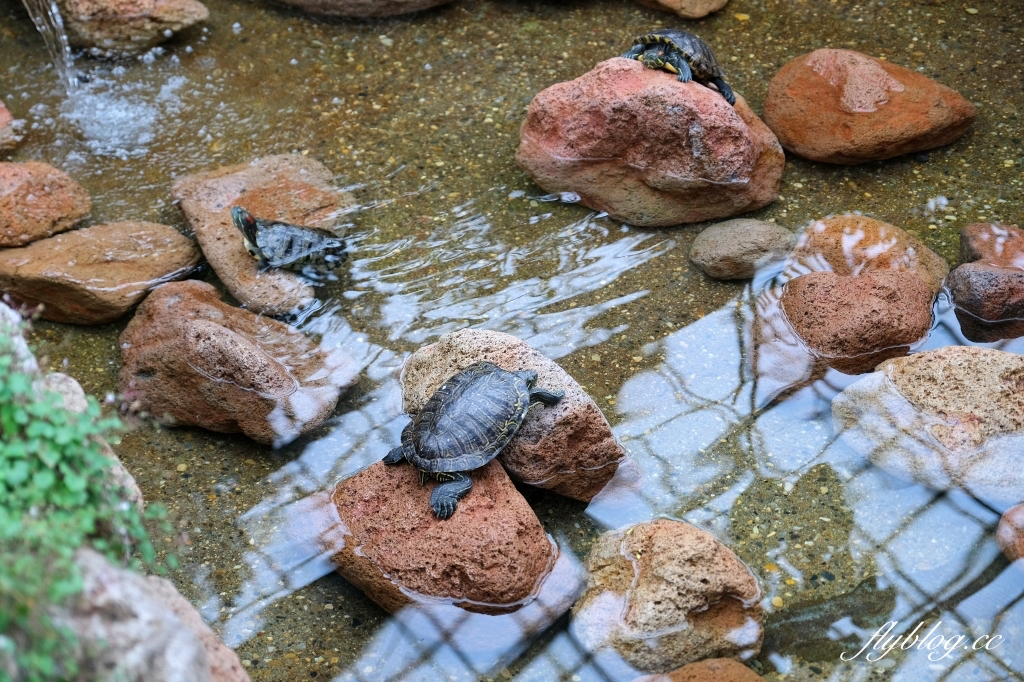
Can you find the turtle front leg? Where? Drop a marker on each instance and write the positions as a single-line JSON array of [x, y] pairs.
[[726, 91], [634, 51], [445, 497], [549, 398], [395, 456], [681, 66]]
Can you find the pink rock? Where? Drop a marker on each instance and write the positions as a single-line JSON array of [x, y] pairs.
[[710, 670], [993, 244], [124, 27], [9, 137], [364, 8], [841, 106], [1010, 533], [688, 9], [36, 201], [989, 301], [648, 149]]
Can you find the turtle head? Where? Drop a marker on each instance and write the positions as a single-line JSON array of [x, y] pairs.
[[529, 376], [653, 57], [246, 224]]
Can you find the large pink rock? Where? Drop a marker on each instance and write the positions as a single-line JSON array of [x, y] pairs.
[[124, 27], [36, 201], [363, 8], [841, 106], [648, 149]]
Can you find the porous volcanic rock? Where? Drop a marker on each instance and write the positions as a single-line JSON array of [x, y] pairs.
[[711, 670], [1010, 533], [735, 248], [363, 8], [855, 244], [567, 448], [96, 274], [648, 149], [125, 27], [9, 137], [664, 594], [946, 418], [687, 9], [855, 322], [841, 106], [288, 187], [488, 557], [989, 300], [992, 244], [192, 360], [36, 201]]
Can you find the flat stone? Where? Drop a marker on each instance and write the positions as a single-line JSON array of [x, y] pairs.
[[126, 27], [364, 8], [1010, 533], [36, 201], [647, 149], [687, 9], [289, 187], [734, 249], [567, 448], [992, 244], [189, 359], [94, 275], [841, 106], [665, 594], [711, 670]]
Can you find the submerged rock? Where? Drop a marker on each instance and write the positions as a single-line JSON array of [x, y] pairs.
[[567, 448], [125, 27], [734, 249], [648, 149], [664, 594], [687, 9], [946, 418], [9, 136], [192, 360], [96, 274], [36, 201], [289, 187], [841, 106], [363, 8], [711, 670], [1010, 533]]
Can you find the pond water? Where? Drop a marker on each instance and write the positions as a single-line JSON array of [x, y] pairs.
[[418, 116]]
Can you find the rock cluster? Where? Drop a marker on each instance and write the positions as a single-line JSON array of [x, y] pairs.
[[126, 27], [735, 249], [364, 8], [988, 288], [37, 201]]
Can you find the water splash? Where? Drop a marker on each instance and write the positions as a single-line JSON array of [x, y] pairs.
[[46, 16]]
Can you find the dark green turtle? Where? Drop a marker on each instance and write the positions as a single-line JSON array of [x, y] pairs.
[[282, 245], [466, 424], [681, 52]]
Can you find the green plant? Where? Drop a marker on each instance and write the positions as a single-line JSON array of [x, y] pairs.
[[55, 497]]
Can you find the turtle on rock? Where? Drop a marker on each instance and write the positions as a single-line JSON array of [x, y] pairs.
[[466, 423], [282, 245], [683, 53]]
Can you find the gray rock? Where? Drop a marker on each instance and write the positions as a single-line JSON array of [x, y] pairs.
[[734, 249]]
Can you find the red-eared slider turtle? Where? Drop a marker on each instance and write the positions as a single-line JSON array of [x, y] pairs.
[[466, 423], [681, 52], [282, 245]]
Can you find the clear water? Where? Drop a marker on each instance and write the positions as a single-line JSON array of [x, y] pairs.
[[449, 234], [48, 21]]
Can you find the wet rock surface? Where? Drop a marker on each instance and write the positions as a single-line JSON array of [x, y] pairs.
[[126, 27], [992, 244], [734, 249], [841, 106], [37, 201], [711, 670], [665, 594], [989, 301], [94, 275], [946, 418], [687, 9], [567, 448], [289, 187], [363, 8], [9, 137], [190, 359], [1010, 532], [647, 149]]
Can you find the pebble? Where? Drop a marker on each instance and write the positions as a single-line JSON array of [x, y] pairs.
[[777, 602]]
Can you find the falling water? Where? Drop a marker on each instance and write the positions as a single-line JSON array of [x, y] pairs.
[[46, 16]]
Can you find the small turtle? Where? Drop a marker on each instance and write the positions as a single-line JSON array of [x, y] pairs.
[[683, 53], [466, 424], [282, 245]]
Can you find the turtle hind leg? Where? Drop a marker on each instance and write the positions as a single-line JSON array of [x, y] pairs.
[[549, 398], [445, 497], [726, 91], [635, 51], [395, 456]]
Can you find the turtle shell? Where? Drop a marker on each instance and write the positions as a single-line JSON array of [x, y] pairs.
[[468, 421], [698, 54]]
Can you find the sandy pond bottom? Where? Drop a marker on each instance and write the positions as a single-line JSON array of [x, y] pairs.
[[419, 115]]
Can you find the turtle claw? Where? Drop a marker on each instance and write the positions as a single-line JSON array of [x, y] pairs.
[[394, 457], [445, 497]]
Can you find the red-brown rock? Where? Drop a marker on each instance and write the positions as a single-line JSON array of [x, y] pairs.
[[993, 244], [364, 8], [648, 149], [124, 27], [1010, 533], [855, 322], [687, 9], [288, 187], [989, 301], [36, 201], [96, 274], [841, 106], [567, 448], [9, 137], [711, 670], [192, 360]]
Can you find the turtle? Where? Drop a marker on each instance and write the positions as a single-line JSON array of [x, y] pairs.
[[465, 424], [276, 244], [683, 53]]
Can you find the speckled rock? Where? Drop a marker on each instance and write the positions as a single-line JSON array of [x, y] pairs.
[[363, 8], [288, 187], [947, 418], [647, 149], [124, 27], [1010, 533], [687, 9], [190, 359], [735, 248], [711, 670], [567, 448], [664, 594], [94, 275], [9, 136], [989, 301], [992, 244], [855, 244], [489, 557], [36, 201], [855, 322], [841, 106]]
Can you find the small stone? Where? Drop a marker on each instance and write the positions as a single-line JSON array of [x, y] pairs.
[[734, 249], [971, 10], [777, 602], [742, 17], [182, 467], [37, 201]]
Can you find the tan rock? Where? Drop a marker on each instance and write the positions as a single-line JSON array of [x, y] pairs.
[[648, 149], [734, 249], [567, 448], [364, 8], [288, 187], [687, 9], [711, 670], [94, 275], [190, 359], [125, 27], [1010, 533], [36, 201], [664, 594]]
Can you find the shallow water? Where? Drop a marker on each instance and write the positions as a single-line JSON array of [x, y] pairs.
[[419, 116]]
